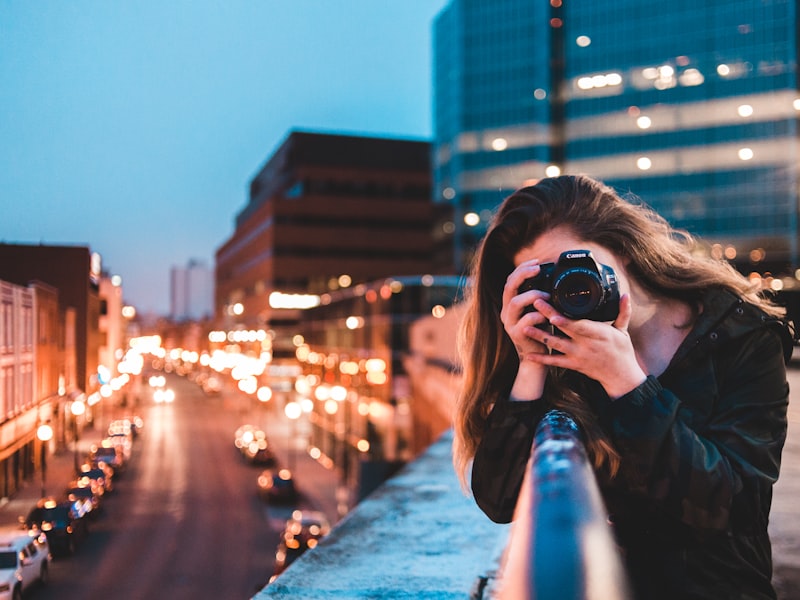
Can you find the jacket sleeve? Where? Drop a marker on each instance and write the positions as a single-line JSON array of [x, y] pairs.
[[709, 465], [502, 455]]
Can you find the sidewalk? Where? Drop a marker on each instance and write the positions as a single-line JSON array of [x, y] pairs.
[[60, 471]]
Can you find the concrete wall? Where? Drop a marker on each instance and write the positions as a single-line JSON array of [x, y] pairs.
[[417, 536]]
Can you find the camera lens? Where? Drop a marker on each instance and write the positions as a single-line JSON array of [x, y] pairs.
[[577, 293]]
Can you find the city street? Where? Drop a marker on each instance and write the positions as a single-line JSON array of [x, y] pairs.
[[184, 520]]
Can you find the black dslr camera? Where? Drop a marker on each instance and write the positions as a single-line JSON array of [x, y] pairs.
[[579, 286]]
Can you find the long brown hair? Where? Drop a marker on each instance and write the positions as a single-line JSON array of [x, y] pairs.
[[661, 259]]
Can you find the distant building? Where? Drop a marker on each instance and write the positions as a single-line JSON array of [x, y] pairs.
[[112, 324], [75, 272], [191, 292], [365, 353], [327, 212], [690, 105]]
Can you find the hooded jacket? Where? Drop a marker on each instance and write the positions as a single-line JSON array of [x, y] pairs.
[[700, 449]]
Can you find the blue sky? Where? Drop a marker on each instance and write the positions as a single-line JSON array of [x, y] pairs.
[[135, 127]]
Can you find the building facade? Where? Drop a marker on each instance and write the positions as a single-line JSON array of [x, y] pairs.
[[690, 106], [327, 212], [363, 357], [75, 272]]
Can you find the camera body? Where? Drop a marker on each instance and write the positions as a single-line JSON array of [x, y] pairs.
[[579, 286]]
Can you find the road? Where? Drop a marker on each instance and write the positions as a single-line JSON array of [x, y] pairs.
[[184, 521]]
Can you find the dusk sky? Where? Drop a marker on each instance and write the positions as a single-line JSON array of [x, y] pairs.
[[134, 128]]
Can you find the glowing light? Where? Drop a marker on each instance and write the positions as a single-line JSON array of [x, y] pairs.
[[264, 393], [293, 410], [499, 144], [723, 70], [552, 170], [745, 110], [129, 312], [338, 393], [237, 308], [730, 252], [644, 122], [377, 378], [345, 280], [796, 104], [438, 311], [471, 219], [331, 407], [583, 41], [363, 445], [375, 365], [745, 153], [691, 77], [539, 94], [44, 433], [298, 301], [353, 322], [644, 163], [448, 193]]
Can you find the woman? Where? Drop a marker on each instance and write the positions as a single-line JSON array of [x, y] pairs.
[[682, 397]]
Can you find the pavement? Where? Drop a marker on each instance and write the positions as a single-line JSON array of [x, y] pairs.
[[60, 471]]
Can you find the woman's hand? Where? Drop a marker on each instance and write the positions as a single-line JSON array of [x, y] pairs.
[[515, 319], [517, 323], [601, 351]]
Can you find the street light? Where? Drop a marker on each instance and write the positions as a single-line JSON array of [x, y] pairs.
[[44, 433], [77, 409], [293, 410]]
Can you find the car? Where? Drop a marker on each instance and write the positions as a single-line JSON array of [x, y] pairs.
[[110, 453], [277, 486], [252, 443], [132, 425], [302, 532], [100, 478], [61, 523], [84, 500], [24, 561]]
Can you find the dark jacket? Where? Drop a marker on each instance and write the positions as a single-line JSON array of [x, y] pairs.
[[700, 447]]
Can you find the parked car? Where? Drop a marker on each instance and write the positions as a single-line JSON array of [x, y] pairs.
[[85, 501], [302, 532], [60, 522], [24, 561], [100, 478], [132, 425], [277, 486], [110, 453]]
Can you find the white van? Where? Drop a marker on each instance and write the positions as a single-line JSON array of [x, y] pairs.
[[24, 560]]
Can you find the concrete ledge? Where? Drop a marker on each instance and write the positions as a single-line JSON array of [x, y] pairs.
[[417, 536]]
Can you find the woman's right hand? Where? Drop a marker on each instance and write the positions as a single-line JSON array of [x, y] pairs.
[[514, 316]]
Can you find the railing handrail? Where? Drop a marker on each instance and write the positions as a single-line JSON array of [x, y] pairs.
[[560, 546]]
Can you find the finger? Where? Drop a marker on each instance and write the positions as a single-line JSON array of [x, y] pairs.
[[625, 310]]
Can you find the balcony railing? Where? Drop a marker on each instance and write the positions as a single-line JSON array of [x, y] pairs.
[[560, 545]]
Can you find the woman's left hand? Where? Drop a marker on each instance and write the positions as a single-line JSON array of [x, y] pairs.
[[601, 351]]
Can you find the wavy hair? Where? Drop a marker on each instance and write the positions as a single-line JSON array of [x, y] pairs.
[[661, 259]]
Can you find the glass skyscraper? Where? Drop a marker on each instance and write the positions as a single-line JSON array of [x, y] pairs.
[[691, 106]]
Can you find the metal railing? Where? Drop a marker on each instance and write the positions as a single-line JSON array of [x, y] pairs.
[[560, 545]]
